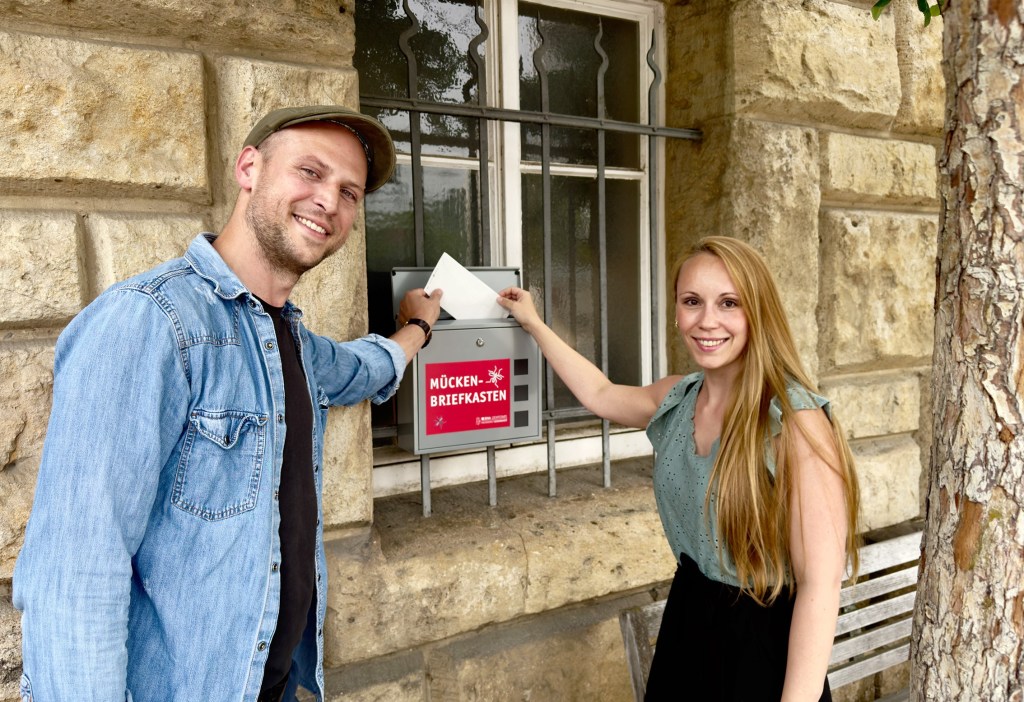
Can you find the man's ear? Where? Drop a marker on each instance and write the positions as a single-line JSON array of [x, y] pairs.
[[247, 167]]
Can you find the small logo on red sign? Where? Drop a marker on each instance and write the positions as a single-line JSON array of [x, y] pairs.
[[467, 395]]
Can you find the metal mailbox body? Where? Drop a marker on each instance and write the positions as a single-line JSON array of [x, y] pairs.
[[476, 384]]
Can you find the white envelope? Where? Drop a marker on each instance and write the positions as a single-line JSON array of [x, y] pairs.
[[464, 295]]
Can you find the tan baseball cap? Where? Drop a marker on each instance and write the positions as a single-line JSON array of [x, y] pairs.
[[374, 136]]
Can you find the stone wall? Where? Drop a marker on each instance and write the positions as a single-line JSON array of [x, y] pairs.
[[119, 123]]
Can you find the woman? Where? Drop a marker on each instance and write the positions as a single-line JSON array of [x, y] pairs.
[[753, 479]]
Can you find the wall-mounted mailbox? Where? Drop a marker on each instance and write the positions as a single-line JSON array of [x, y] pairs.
[[476, 384]]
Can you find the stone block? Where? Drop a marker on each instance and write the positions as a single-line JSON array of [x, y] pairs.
[[771, 193], [923, 93], [877, 404], [426, 583], [99, 119], [10, 645], [859, 691], [40, 267], [568, 661], [289, 28], [877, 288], [25, 395], [815, 61], [697, 72], [593, 548], [409, 689], [348, 467], [892, 680], [410, 581], [399, 678], [889, 473], [124, 245], [855, 168]]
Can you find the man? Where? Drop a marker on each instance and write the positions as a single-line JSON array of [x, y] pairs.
[[175, 547]]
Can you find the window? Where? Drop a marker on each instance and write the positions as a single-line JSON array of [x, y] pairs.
[[499, 109]]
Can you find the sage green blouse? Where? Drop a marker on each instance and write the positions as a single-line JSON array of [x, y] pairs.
[[681, 476]]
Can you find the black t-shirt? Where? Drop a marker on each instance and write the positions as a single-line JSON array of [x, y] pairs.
[[297, 504]]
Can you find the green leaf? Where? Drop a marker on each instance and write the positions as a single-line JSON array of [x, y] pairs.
[[876, 9], [922, 5], [936, 11]]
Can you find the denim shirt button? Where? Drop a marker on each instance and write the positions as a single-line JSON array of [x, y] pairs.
[[276, 494], [280, 418], [262, 646], [269, 345], [316, 468], [275, 567]]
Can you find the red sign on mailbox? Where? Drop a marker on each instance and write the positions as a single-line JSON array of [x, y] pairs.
[[467, 395]]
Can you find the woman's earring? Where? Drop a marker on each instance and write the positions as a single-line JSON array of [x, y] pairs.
[[677, 324]]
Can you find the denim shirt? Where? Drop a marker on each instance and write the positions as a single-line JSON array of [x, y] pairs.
[[151, 565]]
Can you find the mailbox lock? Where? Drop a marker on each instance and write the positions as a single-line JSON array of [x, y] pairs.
[[480, 342]]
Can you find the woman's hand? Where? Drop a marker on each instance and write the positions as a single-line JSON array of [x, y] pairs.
[[520, 304]]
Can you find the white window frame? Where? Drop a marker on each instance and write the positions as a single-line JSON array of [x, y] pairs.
[[396, 471]]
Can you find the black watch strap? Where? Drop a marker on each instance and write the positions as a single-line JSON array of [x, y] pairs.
[[422, 325]]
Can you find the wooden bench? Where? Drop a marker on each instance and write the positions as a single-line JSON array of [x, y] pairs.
[[872, 634]]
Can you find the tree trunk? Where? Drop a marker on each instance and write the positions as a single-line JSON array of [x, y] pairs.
[[968, 641]]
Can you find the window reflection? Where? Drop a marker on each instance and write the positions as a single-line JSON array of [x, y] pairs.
[[444, 70], [574, 283]]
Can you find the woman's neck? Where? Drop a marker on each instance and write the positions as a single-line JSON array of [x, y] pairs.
[[718, 384]]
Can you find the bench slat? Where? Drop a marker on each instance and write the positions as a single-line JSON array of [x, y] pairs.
[[874, 639], [878, 586], [869, 666], [889, 553], [872, 614]]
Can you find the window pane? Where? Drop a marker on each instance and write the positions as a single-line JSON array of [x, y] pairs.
[[574, 282], [444, 70], [571, 63], [451, 222]]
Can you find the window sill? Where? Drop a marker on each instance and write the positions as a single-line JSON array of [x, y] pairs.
[[397, 471]]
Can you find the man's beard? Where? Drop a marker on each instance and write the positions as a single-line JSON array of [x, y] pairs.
[[272, 240]]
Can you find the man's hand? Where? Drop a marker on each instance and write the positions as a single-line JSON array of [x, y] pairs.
[[417, 304]]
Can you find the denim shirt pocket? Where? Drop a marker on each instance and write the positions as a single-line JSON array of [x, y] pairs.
[[218, 474]]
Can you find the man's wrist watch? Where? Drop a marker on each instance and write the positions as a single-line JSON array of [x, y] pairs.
[[422, 325]]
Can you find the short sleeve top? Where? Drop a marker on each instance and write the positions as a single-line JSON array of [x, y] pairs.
[[681, 476]]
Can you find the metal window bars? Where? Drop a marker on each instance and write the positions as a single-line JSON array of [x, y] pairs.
[[601, 124]]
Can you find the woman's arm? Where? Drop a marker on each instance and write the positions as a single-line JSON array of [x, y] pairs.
[[624, 404], [817, 544]]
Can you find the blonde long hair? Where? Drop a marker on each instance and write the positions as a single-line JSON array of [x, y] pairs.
[[753, 508]]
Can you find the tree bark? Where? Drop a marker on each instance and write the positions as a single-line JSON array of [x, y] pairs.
[[968, 641]]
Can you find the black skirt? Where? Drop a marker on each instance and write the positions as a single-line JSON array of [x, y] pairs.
[[717, 644]]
